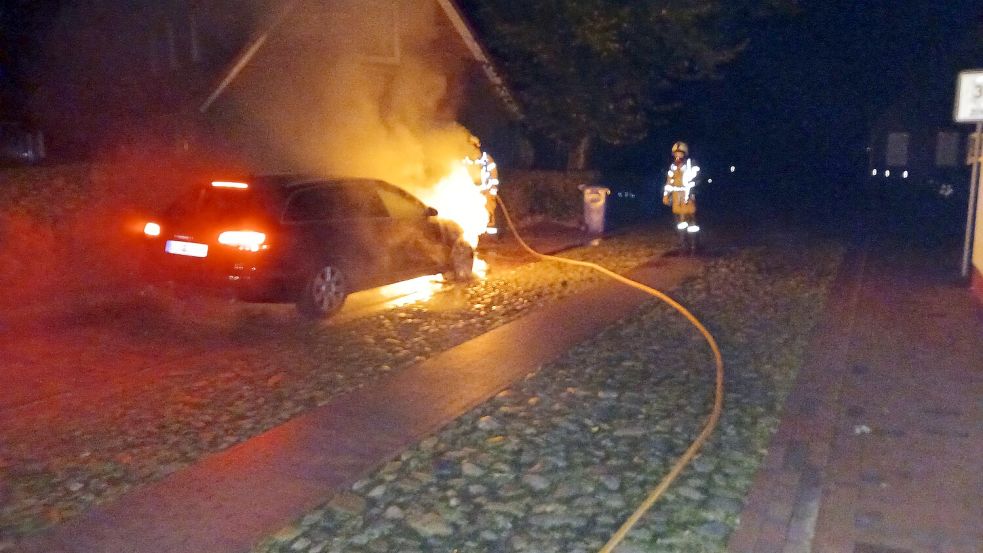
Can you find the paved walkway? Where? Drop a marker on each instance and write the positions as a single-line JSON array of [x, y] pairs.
[[880, 449], [229, 501]]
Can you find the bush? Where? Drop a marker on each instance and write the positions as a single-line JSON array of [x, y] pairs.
[[536, 196]]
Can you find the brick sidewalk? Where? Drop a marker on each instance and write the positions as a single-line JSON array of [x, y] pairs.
[[880, 447]]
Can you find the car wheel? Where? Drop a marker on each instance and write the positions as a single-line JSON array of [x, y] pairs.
[[461, 261], [324, 292]]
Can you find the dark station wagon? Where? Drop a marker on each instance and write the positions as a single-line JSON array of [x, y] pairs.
[[301, 239]]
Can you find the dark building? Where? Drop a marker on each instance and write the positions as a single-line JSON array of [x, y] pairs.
[[249, 76]]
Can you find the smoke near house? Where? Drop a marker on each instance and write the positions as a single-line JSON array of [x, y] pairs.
[[367, 89]]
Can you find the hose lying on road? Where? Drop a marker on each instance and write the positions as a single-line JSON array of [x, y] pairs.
[[718, 400]]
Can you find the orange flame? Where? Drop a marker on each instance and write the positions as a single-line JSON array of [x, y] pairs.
[[455, 197], [480, 268]]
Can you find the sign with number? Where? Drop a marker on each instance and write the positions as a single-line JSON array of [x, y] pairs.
[[969, 97]]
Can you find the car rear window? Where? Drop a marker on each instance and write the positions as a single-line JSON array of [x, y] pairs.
[[219, 204]]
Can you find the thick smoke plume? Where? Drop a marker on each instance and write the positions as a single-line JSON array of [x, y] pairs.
[[335, 93], [362, 89]]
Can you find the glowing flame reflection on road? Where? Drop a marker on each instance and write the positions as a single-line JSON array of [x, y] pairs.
[[421, 289], [411, 291]]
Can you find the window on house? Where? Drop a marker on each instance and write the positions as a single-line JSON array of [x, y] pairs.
[[193, 38], [947, 149], [172, 54], [174, 41], [897, 149]]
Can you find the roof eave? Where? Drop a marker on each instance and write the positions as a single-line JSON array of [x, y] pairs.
[[478, 53]]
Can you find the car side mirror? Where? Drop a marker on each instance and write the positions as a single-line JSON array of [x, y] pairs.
[[430, 212]]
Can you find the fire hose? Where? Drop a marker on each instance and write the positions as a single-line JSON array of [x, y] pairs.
[[659, 490]]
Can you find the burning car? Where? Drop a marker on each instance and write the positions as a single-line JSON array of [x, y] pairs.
[[300, 239]]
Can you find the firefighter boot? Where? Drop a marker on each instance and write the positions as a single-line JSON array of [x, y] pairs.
[[693, 238]]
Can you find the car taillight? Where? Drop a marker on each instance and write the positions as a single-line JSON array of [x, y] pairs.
[[151, 229], [248, 240], [228, 184]]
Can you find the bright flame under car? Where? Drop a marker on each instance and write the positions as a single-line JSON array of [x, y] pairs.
[[411, 291], [151, 229], [480, 268], [421, 289]]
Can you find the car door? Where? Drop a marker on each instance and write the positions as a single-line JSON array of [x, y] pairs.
[[325, 226], [371, 227], [416, 237]]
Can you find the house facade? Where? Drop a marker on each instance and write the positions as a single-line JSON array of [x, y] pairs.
[[916, 145], [265, 79]]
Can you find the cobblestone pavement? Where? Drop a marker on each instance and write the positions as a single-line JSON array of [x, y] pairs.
[[556, 462], [243, 370]]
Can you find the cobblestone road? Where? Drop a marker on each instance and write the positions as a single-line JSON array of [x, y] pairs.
[[182, 380], [557, 462]]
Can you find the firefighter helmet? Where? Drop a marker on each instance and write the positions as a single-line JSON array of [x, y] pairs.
[[680, 147]]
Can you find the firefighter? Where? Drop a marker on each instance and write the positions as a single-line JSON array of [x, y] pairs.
[[679, 194], [486, 180]]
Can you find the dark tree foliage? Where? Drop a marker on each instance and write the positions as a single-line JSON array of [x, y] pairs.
[[21, 24], [585, 70]]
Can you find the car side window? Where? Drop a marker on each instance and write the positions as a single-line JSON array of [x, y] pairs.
[[400, 204], [362, 200], [314, 204]]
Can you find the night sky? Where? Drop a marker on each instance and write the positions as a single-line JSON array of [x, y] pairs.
[[22, 28], [802, 95], [800, 100], [814, 85]]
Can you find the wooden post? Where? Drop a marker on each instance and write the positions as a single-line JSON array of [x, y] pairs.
[[973, 192]]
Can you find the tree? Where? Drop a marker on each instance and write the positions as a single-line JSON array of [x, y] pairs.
[[21, 24], [585, 70]]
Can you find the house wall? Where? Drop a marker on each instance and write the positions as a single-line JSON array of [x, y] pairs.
[[920, 157], [976, 276], [115, 72]]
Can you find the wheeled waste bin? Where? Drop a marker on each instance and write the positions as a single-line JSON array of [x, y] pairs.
[[595, 204]]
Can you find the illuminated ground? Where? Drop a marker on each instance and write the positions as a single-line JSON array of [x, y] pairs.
[[556, 462], [140, 386]]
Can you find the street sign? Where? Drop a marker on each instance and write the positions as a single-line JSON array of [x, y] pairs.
[[969, 97]]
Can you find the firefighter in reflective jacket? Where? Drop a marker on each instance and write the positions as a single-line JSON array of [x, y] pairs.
[[486, 180], [678, 193]]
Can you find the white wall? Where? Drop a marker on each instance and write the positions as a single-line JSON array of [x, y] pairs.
[[978, 237]]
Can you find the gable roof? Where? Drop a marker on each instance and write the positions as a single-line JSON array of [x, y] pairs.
[[448, 7], [453, 13]]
